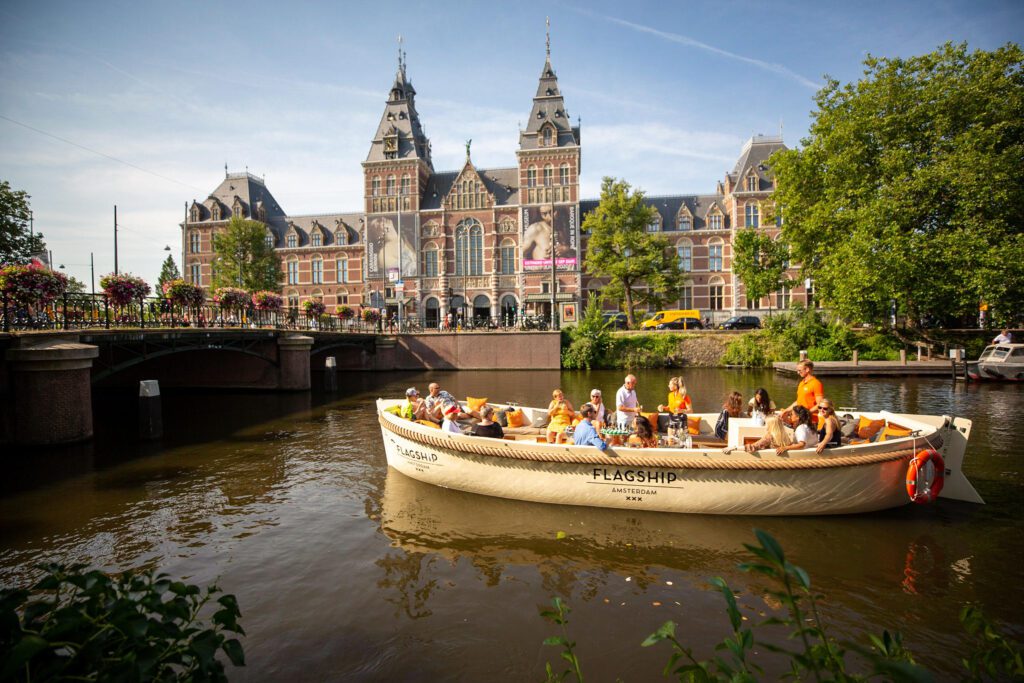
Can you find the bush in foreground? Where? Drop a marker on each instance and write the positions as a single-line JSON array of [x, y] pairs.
[[85, 625]]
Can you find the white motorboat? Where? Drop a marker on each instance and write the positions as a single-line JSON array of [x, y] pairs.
[[999, 363], [710, 478]]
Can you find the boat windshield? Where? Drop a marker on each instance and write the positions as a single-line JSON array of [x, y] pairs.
[[1000, 353], [987, 352], [1017, 353]]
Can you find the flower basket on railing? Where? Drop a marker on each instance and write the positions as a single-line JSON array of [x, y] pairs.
[[371, 315], [124, 288], [232, 298], [32, 284], [182, 293], [346, 312], [267, 301], [314, 308]]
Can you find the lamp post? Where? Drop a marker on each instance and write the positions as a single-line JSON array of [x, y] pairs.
[[116, 271]]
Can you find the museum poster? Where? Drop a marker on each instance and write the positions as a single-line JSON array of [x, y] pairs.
[[539, 223], [382, 245]]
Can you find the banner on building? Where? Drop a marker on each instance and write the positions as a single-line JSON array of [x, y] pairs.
[[384, 240], [550, 226]]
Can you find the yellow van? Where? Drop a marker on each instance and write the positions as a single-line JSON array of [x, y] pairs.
[[667, 317]]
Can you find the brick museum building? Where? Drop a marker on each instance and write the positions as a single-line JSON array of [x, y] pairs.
[[480, 242]]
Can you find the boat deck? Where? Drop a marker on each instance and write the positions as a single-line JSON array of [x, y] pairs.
[[882, 368]]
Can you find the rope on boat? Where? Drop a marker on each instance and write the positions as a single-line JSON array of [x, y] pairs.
[[517, 450]]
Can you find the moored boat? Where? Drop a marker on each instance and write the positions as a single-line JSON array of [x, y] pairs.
[[709, 478], [999, 363]]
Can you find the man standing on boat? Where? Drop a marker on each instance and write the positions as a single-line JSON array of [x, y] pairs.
[[1003, 337], [585, 434], [627, 407], [808, 393]]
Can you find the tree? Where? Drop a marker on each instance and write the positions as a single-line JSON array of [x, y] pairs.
[[168, 272], [640, 265], [16, 243], [908, 188], [759, 261], [243, 257]]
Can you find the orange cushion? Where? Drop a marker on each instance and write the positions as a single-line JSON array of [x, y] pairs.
[[652, 418], [693, 425], [866, 429], [516, 418], [893, 432], [475, 403], [428, 423]]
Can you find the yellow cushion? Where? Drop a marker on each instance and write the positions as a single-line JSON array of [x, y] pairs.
[[893, 432], [428, 423], [516, 418], [475, 403], [394, 410], [867, 429], [693, 425]]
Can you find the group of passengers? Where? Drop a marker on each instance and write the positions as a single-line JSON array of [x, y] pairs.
[[809, 422]]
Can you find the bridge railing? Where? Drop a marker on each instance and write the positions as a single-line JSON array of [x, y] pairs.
[[97, 311]]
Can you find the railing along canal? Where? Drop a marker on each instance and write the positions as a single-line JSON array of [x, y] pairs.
[[97, 311]]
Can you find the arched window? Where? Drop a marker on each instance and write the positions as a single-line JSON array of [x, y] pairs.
[[531, 176], [375, 187], [716, 291], [391, 185], [715, 254], [549, 175], [430, 260], [342, 267], [753, 216], [317, 264], [293, 271], [293, 300], [469, 248], [341, 296], [563, 174], [194, 271], [684, 252], [508, 257]]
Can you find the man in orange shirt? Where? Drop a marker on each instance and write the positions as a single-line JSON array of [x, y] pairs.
[[808, 392]]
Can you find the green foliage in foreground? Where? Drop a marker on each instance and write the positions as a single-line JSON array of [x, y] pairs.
[[785, 335], [588, 344], [815, 654], [85, 625]]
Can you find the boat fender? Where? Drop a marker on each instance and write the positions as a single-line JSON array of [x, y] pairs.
[[926, 475]]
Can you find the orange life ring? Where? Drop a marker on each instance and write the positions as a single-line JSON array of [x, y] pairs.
[[925, 483]]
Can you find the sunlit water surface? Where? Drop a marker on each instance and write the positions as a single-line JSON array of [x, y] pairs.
[[346, 570]]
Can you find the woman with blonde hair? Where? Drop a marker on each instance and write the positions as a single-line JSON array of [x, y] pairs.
[[678, 400], [776, 435], [830, 435], [561, 413]]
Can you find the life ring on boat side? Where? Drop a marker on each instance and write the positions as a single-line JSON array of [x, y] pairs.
[[926, 475]]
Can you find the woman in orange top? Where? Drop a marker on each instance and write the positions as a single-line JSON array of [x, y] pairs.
[[808, 393], [678, 400], [561, 413]]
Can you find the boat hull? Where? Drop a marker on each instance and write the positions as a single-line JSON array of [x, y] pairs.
[[573, 475]]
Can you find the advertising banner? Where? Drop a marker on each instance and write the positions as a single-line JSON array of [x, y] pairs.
[[544, 225], [382, 246]]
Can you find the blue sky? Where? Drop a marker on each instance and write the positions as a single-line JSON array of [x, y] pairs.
[[150, 100]]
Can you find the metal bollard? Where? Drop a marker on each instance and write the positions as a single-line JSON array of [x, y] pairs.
[[331, 374], [151, 421]]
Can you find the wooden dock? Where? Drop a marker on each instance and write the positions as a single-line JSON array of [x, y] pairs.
[[874, 368]]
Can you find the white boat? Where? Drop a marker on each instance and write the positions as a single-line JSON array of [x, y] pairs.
[[998, 362], [707, 479]]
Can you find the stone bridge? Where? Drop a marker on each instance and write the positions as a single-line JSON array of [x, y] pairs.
[[46, 378]]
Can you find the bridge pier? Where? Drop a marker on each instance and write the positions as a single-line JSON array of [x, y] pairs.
[[52, 391], [293, 352]]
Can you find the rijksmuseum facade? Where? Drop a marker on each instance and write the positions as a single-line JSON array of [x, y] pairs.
[[480, 242]]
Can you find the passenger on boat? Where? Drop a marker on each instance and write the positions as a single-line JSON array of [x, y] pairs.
[[761, 406], [600, 409], [645, 436], [808, 392], [487, 426], [805, 436], [414, 408], [436, 400], [830, 435], [733, 407], [627, 407], [451, 412], [1004, 337], [585, 434], [679, 402], [561, 413], [776, 435]]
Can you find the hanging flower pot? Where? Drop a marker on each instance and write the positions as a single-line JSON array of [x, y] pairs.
[[183, 293], [232, 298], [314, 308], [267, 301], [32, 284], [346, 312], [124, 288]]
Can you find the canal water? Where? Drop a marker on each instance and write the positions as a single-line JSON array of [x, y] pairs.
[[345, 570]]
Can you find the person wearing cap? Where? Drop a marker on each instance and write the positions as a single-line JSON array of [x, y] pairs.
[[585, 434], [414, 408], [451, 413]]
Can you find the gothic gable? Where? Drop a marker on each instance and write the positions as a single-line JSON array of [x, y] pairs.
[[468, 191]]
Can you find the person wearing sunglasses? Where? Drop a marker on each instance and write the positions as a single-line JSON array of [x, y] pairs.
[[600, 410], [829, 435]]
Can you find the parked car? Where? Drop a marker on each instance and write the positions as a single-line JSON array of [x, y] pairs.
[[682, 324], [741, 322], [616, 321]]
